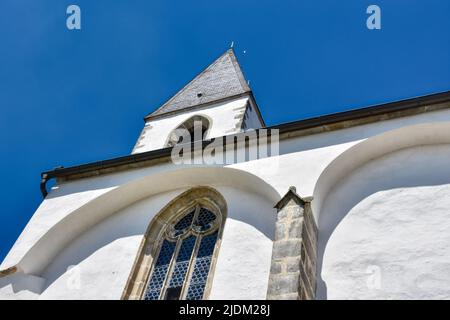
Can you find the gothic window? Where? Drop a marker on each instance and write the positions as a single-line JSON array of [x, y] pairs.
[[177, 257], [195, 123]]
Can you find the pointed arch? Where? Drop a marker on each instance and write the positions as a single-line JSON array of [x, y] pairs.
[[163, 241]]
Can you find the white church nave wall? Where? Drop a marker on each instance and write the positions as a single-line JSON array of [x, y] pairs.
[[105, 253], [73, 207], [301, 164], [384, 229]]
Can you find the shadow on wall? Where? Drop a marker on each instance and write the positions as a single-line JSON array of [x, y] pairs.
[[363, 131], [29, 285], [125, 224], [63, 220], [122, 232], [401, 171]]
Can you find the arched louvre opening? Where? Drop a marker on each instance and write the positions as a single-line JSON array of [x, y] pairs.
[[195, 128], [184, 257]]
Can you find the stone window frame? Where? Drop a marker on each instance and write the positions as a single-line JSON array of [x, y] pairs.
[[141, 271]]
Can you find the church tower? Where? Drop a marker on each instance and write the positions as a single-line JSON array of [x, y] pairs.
[[219, 97]]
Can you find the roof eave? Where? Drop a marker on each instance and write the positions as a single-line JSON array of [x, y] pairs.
[[318, 124]]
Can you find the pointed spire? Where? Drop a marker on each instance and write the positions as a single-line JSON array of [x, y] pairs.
[[222, 79]]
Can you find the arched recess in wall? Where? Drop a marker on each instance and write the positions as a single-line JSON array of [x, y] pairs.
[[38, 254], [192, 126], [165, 231], [358, 181], [345, 163]]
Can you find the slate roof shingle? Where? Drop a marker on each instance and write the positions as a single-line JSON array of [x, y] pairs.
[[222, 79]]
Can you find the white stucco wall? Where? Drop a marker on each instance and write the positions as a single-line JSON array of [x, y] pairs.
[[104, 254], [223, 117], [252, 120], [70, 227], [384, 230], [21, 286], [243, 265]]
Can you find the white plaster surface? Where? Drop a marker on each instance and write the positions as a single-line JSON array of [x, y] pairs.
[[20, 286], [384, 230], [50, 230], [83, 222], [252, 120], [103, 255], [96, 265], [243, 265], [223, 117]]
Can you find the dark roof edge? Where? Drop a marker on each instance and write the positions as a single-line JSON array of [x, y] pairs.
[[238, 70], [204, 105], [356, 114], [321, 121], [197, 106]]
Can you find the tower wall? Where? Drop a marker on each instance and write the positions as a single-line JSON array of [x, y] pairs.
[[225, 118]]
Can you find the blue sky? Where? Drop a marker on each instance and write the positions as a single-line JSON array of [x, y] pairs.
[[71, 97]]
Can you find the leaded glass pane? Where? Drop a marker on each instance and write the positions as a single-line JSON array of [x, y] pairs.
[[171, 285], [205, 219], [160, 270], [184, 223], [182, 263], [201, 268]]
